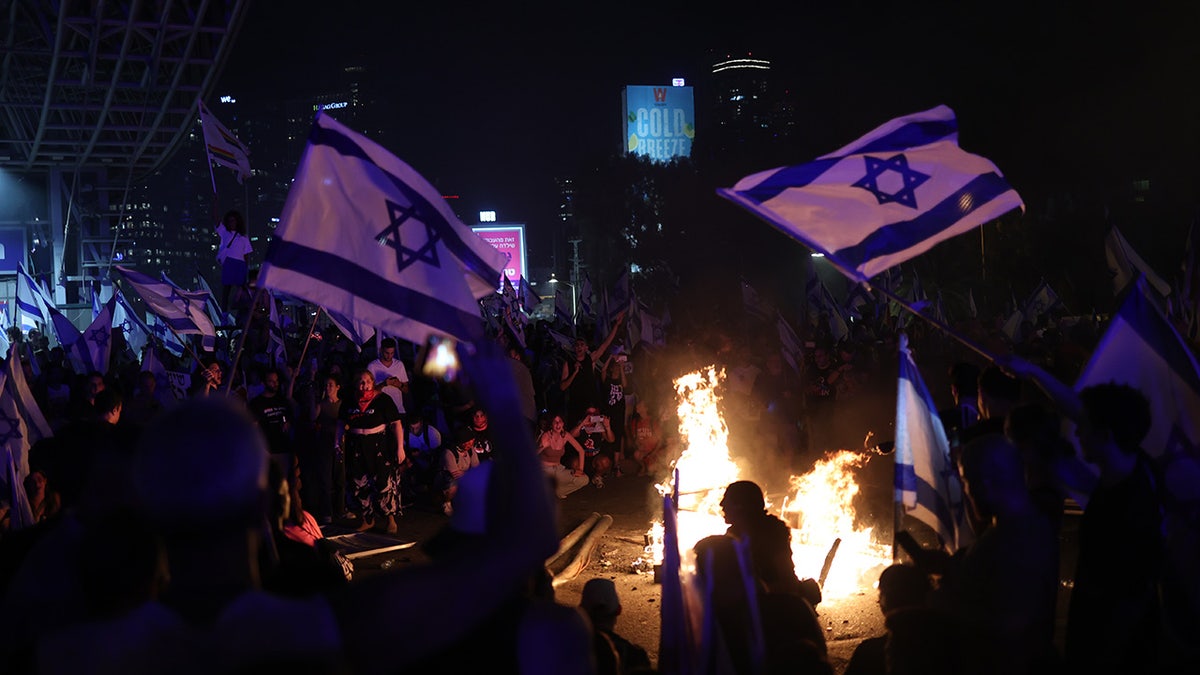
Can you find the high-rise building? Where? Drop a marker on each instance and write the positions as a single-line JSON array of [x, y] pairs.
[[750, 113]]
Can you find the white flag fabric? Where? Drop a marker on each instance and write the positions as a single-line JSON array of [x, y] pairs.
[[1140, 348], [181, 310], [927, 484], [562, 308], [32, 307], [21, 426], [169, 340], [529, 299], [356, 332], [223, 147], [1042, 300], [216, 314], [883, 199], [276, 348], [1124, 264], [124, 317], [88, 350], [364, 235]]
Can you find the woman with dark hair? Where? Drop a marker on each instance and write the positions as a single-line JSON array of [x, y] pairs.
[[232, 250]]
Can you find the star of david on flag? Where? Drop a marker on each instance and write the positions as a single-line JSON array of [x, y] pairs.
[[364, 235], [884, 198], [927, 486], [180, 310]]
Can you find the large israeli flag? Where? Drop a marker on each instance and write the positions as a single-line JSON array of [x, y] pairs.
[[364, 235], [927, 483], [883, 199], [1140, 348]]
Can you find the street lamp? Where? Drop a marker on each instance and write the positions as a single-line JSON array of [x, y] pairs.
[[556, 280]]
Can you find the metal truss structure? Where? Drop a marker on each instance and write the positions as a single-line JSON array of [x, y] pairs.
[[106, 90]]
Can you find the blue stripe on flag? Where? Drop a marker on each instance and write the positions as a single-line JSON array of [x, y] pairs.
[[903, 235], [366, 284], [348, 147], [1145, 320], [909, 136], [928, 496], [903, 139]]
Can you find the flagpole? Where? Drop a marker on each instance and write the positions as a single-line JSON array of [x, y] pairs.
[[966, 342], [242, 342], [304, 350], [211, 174]]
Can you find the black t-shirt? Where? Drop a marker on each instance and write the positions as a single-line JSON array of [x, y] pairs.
[[380, 410], [275, 416], [483, 443]]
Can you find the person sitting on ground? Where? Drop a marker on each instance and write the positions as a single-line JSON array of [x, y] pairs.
[[645, 439], [594, 433], [298, 560], [456, 461], [483, 437], [770, 539], [200, 475], [423, 448], [602, 605], [568, 476]]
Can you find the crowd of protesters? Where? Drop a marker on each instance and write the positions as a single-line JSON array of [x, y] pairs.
[[357, 434]]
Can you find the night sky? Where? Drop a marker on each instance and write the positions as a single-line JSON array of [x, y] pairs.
[[491, 104]]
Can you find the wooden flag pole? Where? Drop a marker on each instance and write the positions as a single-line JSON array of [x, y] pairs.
[[242, 342], [304, 350], [964, 340]]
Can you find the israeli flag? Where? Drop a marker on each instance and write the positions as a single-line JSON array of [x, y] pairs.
[[31, 305], [1140, 348], [89, 349], [162, 331], [356, 332], [364, 235], [529, 299], [181, 310], [562, 308], [137, 334], [927, 483], [883, 199]]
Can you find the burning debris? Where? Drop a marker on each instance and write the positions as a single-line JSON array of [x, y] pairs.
[[827, 542]]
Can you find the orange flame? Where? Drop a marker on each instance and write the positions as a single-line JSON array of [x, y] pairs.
[[820, 503]]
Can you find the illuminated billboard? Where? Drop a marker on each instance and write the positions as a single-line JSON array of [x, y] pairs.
[[660, 121], [12, 249], [509, 240]]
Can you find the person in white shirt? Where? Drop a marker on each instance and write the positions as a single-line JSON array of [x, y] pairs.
[[232, 250], [391, 377]]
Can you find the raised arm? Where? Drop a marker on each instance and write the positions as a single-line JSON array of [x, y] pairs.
[[520, 536], [611, 335], [579, 451], [1062, 396]]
